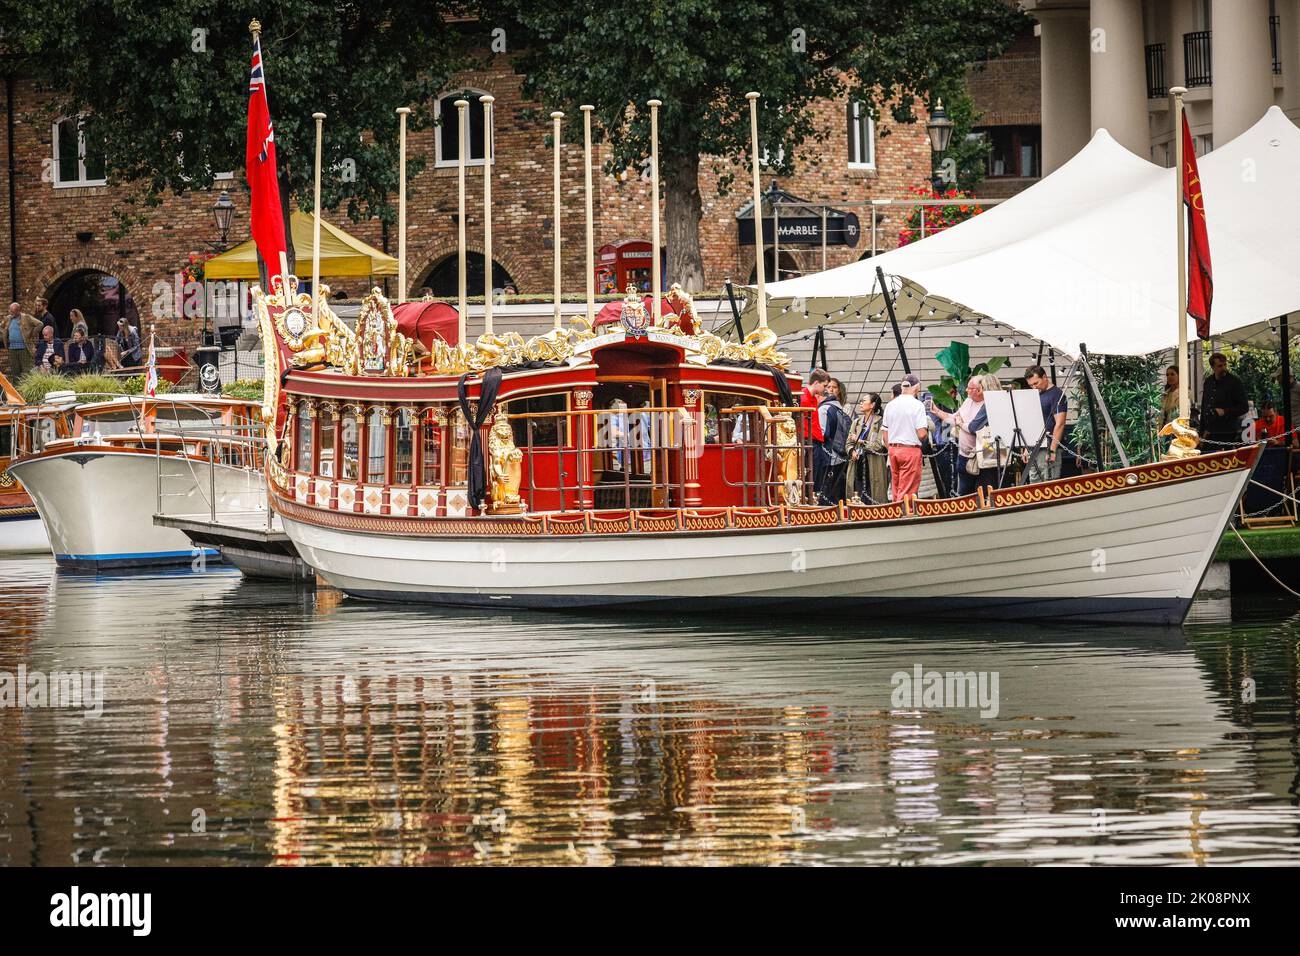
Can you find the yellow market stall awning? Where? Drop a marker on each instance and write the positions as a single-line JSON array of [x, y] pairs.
[[340, 254]]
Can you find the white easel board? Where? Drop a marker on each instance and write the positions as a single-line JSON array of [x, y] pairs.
[[1003, 418]]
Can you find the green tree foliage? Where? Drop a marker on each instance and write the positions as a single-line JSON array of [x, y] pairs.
[[700, 57], [167, 83]]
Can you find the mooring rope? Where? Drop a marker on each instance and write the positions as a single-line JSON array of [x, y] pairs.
[[1288, 590]]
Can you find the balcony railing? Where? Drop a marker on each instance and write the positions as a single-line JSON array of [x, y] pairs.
[[1196, 57], [1272, 36], [1156, 88]]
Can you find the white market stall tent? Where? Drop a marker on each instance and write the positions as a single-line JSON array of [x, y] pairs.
[[1087, 255]]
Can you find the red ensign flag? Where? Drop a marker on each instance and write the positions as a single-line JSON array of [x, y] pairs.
[[266, 218], [1200, 277]]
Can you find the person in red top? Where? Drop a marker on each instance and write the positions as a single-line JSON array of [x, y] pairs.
[[810, 399], [1270, 425]]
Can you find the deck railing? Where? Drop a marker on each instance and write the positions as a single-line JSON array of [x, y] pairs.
[[649, 458]]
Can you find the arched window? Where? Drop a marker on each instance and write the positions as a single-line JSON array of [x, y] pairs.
[[78, 152], [447, 141]]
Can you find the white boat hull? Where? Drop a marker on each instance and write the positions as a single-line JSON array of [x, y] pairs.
[[23, 534], [1137, 554], [98, 505]]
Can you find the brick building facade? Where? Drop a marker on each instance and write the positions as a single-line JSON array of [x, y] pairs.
[[61, 229], [1008, 99]]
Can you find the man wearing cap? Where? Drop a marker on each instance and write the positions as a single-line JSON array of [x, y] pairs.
[[904, 428]]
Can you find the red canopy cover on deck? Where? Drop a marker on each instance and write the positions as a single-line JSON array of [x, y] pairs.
[[424, 320]]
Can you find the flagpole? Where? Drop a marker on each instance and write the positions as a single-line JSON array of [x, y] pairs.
[[402, 112], [758, 211], [315, 227], [487, 102], [555, 231], [1184, 384], [655, 281], [591, 253], [461, 107]]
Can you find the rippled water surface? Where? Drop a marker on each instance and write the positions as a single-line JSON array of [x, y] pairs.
[[252, 723]]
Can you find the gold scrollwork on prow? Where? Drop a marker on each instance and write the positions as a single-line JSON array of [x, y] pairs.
[[7, 480], [1185, 443], [506, 469]]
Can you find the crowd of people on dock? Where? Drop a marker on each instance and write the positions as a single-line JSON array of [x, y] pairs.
[[32, 342], [878, 453]]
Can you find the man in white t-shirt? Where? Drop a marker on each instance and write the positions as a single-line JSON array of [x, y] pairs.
[[905, 426]]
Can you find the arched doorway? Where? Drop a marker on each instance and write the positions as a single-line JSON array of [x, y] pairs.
[[443, 278], [102, 299], [789, 268]]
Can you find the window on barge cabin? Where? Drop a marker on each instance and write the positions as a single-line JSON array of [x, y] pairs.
[[377, 448], [304, 441], [431, 448], [325, 456], [348, 447], [721, 427], [548, 429], [403, 448]]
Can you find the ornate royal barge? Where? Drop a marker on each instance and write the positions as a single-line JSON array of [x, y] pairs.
[[643, 462]]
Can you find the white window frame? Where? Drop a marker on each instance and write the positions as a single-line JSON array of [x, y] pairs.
[[81, 179], [489, 138], [855, 147]]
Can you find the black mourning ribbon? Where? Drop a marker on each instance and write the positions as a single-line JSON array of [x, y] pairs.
[[487, 397]]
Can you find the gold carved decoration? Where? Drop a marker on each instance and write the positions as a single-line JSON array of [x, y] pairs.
[[506, 470], [1185, 440], [785, 454], [380, 349]]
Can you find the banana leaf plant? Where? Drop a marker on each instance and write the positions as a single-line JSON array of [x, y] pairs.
[[950, 391]]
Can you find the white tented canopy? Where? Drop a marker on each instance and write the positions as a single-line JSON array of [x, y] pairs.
[[1088, 255]]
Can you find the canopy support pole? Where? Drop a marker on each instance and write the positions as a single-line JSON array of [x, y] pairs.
[[488, 157], [1184, 398], [461, 107], [735, 311], [1094, 391], [315, 226], [1285, 337], [591, 255], [402, 113], [555, 227], [656, 278], [893, 319], [752, 96]]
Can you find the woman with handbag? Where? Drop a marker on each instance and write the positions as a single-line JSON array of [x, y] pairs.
[[969, 420], [868, 472]]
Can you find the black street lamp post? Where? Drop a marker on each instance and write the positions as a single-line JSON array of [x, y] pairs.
[[939, 129], [223, 215]]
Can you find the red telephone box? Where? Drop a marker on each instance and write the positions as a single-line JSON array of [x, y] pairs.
[[623, 263]]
